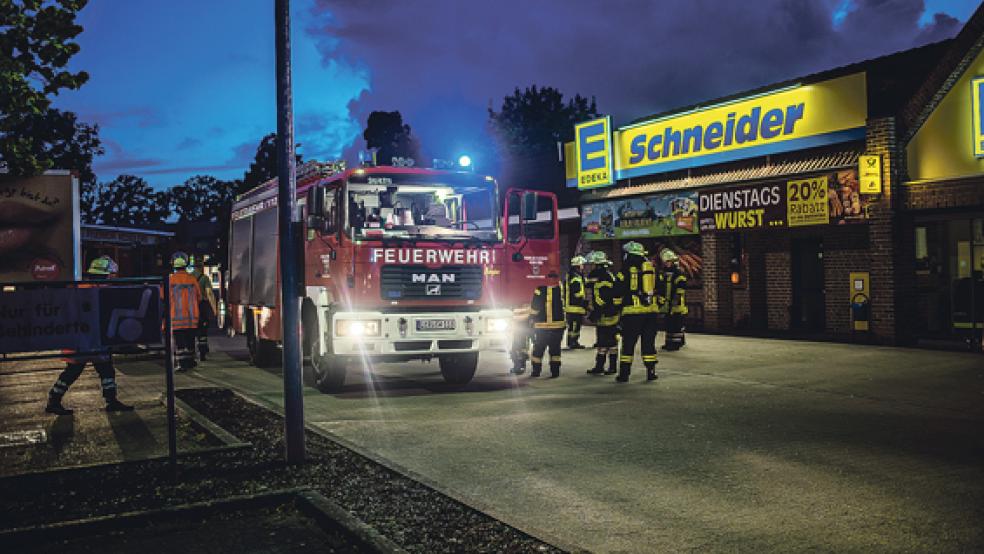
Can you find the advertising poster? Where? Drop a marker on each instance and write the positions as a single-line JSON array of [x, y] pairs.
[[38, 228], [660, 215], [824, 200]]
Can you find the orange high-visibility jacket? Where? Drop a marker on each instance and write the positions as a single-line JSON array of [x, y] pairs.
[[185, 296]]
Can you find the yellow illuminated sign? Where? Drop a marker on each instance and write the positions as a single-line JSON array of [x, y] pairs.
[[806, 202], [976, 92], [869, 175], [789, 119], [860, 300], [593, 153]]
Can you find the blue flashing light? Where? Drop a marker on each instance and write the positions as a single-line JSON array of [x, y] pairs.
[[465, 160]]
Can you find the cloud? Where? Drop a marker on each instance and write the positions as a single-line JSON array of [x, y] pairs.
[[117, 160], [144, 117], [440, 62], [188, 143]]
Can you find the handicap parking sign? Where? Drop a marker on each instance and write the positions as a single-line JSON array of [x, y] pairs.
[[130, 315]]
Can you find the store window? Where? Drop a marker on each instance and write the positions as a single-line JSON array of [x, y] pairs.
[[950, 278]]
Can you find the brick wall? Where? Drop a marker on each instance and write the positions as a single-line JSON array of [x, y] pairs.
[[717, 251], [884, 231]]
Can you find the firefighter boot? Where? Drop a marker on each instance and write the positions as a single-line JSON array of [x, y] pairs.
[[55, 406], [518, 368], [599, 367], [537, 368], [623, 373], [612, 364], [554, 370], [651, 371]]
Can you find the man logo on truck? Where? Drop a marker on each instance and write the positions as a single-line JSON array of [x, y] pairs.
[[433, 290], [432, 278]]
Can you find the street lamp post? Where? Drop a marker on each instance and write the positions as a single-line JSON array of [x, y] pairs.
[[289, 251]]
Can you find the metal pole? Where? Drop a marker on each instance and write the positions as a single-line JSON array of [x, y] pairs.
[[172, 434], [287, 212]]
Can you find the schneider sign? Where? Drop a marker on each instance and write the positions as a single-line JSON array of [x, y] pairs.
[[794, 118]]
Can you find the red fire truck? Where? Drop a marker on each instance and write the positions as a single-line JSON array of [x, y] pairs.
[[400, 263]]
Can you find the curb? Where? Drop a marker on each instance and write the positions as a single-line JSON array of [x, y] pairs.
[[408, 473], [325, 513]]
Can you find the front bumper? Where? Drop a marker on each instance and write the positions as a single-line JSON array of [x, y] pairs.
[[399, 335]]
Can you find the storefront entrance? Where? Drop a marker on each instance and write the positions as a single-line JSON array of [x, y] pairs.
[[950, 277], [808, 308]]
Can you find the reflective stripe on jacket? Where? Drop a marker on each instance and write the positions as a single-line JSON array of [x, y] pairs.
[[637, 284], [575, 299], [547, 308], [185, 296], [672, 291], [606, 302]]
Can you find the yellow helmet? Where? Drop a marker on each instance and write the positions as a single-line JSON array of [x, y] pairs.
[[668, 255], [179, 260], [103, 265], [578, 261]]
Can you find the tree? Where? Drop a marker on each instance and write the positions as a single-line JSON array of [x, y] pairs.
[[35, 46], [201, 197], [527, 129], [126, 201], [264, 164], [387, 132]]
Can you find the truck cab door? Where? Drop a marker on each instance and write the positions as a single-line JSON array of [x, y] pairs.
[[532, 243]]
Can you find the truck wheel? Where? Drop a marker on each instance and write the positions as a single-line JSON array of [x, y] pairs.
[[262, 352], [458, 369], [326, 372]]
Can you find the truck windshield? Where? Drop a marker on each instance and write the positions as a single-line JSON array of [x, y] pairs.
[[386, 208]]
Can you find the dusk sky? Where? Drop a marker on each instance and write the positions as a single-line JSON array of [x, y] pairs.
[[187, 87]]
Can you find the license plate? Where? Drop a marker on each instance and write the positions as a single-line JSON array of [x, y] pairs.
[[435, 325]]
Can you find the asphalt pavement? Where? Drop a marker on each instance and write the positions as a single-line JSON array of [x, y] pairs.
[[743, 444]]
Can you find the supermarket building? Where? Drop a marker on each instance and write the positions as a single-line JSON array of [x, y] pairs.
[[844, 205]]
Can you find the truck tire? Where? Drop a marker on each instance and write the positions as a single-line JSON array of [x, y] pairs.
[[326, 372], [458, 369], [262, 352]]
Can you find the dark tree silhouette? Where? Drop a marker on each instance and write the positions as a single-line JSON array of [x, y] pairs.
[[527, 129], [126, 201], [264, 164], [201, 198], [36, 44], [386, 132]]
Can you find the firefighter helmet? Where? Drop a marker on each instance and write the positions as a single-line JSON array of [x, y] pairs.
[[668, 255], [598, 258], [103, 265], [179, 260], [633, 247], [578, 261]]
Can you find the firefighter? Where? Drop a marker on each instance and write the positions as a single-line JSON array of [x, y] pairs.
[[101, 268], [519, 352], [185, 298], [604, 314], [207, 308], [575, 302], [636, 286], [671, 293], [547, 316]]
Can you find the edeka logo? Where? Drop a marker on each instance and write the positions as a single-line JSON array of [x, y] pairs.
[[593, 153], [793, 118], [977, 94]]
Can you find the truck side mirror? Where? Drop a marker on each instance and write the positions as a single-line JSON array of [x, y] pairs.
[[316, 208], [529, 206]]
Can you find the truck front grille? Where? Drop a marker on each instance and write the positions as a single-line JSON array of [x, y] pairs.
[[421, 283]]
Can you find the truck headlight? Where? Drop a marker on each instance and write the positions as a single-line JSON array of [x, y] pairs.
[[357, 327], [497, 324]]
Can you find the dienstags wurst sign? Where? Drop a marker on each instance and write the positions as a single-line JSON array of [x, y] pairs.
[[432, 256], [822, 200]]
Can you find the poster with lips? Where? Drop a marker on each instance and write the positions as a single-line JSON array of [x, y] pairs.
[[38, 228]]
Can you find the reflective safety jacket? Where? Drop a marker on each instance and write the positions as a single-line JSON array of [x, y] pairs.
[[547, 308], [575, 297], [185, 296], [671, 291], [605, 302], [637, 285]]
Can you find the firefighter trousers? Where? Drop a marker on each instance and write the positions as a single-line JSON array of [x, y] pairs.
[[184, 348], [638, 328], [574, 322], [673, 328], [201, 338], [107, 379], [544, 339]]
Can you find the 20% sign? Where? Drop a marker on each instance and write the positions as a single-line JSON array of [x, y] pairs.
[[806, 202]]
